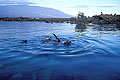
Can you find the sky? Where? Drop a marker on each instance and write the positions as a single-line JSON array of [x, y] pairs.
[[72, 7]]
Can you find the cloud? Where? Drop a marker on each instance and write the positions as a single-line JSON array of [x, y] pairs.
[[81, 6], [106, 5], [15, 2], [56, 0], [94, 5], [59, 0]]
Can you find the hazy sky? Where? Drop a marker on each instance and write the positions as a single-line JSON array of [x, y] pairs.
[[89, 7]]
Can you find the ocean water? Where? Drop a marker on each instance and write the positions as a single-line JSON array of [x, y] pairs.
[[94, 52]]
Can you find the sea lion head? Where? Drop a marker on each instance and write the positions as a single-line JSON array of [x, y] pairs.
[[47, 38], [25, 41]]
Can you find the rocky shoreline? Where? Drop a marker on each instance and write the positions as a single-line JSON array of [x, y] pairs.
[[47, 20], [80, 19]]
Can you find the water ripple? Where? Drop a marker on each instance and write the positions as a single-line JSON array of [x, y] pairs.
[[91, 51]]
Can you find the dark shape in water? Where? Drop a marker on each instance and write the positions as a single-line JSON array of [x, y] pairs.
[[67, 42], [25, 41], [80, 28], [58, 40]]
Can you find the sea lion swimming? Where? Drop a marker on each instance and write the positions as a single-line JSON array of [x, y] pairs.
[[58, 40], [25, 41], [47, 38], [67, 42]]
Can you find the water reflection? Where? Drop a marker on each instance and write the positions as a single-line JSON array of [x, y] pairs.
[[118, 26], [97, 30], [101, 27], [110, 27], [80, 28]]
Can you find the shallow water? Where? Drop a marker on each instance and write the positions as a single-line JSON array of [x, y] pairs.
[[94, 53]]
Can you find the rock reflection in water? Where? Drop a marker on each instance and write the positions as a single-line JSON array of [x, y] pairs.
[[97, 30], [118, 26], [112, 27], [80, 28]]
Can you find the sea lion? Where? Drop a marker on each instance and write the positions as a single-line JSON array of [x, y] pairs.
[[25, 41], [67, 42], [47, 38], [58, 40]]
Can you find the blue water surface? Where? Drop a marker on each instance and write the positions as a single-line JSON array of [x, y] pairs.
[[94, 52]]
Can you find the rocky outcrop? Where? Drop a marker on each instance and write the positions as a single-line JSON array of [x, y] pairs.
[[105, 19]]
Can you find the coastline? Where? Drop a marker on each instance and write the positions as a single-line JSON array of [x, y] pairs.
[[80, 19], [47, 20]]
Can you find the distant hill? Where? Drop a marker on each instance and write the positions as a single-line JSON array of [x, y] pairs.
[[31, 11]]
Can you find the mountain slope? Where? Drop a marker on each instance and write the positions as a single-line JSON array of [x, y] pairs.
[[31, 11]]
